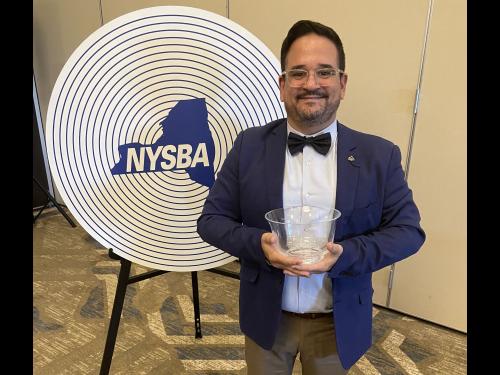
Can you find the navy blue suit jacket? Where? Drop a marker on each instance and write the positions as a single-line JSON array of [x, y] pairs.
[[379, 226]]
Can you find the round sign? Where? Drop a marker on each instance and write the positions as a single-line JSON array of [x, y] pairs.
[[140, 120]]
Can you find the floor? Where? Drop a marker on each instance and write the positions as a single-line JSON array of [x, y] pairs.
[[74, 283]]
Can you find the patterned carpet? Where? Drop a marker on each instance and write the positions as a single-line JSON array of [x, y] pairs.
[[74, 287]]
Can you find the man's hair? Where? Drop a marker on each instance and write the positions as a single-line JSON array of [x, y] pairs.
[[305, 27]]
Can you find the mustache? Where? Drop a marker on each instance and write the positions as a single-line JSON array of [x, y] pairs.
[[305, 93]]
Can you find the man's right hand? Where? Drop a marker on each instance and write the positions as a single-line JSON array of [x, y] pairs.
[[269, 243]]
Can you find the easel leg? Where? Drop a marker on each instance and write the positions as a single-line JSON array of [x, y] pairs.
[[196, 304], [54, 202], [121, 289], [41, 210]]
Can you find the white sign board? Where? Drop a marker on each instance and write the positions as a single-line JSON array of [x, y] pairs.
[[140, 120]]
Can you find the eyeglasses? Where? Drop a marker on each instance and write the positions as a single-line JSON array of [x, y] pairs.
[[324, 76]]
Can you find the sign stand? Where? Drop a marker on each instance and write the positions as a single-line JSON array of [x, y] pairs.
[[50, 199], [121, 288]]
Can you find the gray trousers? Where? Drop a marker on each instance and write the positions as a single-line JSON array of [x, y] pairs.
[[312, 339]]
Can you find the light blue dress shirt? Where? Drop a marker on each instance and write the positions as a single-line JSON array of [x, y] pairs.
[[310, 179]]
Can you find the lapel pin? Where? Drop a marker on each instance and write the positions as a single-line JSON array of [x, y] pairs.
[[351, 158]]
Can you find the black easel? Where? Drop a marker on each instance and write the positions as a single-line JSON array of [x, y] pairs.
[[121, 288], [50, 199]]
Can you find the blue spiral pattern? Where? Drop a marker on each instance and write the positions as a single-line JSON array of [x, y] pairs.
[[116, 88]]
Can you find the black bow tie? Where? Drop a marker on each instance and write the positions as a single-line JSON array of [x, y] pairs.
[[321, 143]]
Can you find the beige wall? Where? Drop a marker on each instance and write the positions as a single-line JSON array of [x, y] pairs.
[[58, 29], [115, 8], [59, 26], [383, 41], [433, 284]]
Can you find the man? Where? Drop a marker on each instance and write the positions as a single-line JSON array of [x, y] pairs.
[[321, 311]]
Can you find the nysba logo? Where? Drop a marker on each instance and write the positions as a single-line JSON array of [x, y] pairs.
[[186, 144]]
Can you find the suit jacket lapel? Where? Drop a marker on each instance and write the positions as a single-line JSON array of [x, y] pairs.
[[274, 169], [347, 168], [347, 174]]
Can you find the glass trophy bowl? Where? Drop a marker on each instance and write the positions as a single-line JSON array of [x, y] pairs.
[[303, 231]]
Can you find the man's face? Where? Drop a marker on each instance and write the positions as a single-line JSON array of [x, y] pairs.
[[312, 107]]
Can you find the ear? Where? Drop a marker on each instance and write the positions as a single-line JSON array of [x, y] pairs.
[[281, 80], [343, 85]]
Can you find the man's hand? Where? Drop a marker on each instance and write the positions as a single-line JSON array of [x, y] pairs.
[[325, 264], [269, 243]]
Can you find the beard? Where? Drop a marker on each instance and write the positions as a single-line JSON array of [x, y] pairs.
[[312, 116]]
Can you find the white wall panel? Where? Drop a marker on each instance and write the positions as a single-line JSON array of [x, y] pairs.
[[112, 9], [59, 26], [433, 284]]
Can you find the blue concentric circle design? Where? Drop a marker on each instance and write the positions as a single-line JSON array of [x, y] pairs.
[[116, 88]]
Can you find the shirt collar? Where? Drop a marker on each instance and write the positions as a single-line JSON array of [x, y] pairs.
[[332, 128]]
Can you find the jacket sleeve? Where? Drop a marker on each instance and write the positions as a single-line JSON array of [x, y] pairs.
[[397, 236], [220, 223]]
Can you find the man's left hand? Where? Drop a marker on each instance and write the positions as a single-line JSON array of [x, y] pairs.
[[325, 264]]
